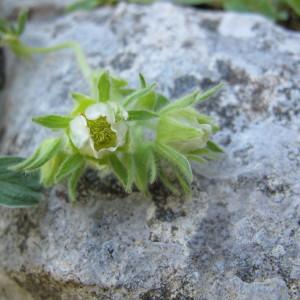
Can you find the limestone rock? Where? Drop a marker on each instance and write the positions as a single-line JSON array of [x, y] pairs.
[[238, 236], [9, 8]]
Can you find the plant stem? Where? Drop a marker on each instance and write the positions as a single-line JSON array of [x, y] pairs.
[[80, 56]]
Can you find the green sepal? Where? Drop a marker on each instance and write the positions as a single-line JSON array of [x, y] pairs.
[[192, 99], [170, 130], [181, 103], [214, 147], [44, 153], [130, 99], [160, 102], [103, 87], [143, 83], [53, 121], [196, 158], [82, 103], [18, 189]]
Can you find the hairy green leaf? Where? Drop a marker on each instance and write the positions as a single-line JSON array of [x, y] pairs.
[[160, 102], [44, 153], [196, 158], [82, 103], [168, 183], [214, 147], [104, 87], [141, 115], [22, 19], [137, 95], [181, 103], [177, 160], [152, 166], [191, 99], [142, 166], [53, 121], [3, 26], [69, 165], [130, 166], [17, 189], [50, 168], [295, 5], [73, 183], [84, 5], [118, 169], [142, 81]]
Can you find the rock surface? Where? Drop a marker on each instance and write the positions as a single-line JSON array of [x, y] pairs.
[[9, 8], [238, 236]]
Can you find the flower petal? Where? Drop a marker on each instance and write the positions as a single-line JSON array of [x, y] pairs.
[[95, 111], [121, 130], [79, 131]]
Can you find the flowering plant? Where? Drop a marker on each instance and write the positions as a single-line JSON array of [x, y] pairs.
[[137, 134]]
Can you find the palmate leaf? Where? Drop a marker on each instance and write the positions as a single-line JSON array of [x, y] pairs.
[[17, 189]]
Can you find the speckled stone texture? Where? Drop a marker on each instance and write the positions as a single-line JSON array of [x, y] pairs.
[[10, 8], [238, 236]]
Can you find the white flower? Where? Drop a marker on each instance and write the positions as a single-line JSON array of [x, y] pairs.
[[100, 129]]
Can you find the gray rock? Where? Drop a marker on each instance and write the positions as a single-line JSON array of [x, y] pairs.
[[9, 8], [2, 69], [238, 236]]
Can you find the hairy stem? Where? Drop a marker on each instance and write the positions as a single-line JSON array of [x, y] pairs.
[[80, 56]]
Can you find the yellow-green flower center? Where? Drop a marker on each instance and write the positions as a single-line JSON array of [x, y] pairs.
[[101, 133]]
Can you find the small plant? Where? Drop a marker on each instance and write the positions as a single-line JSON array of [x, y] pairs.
[[137, 134], [10, 34], [16, 188]]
